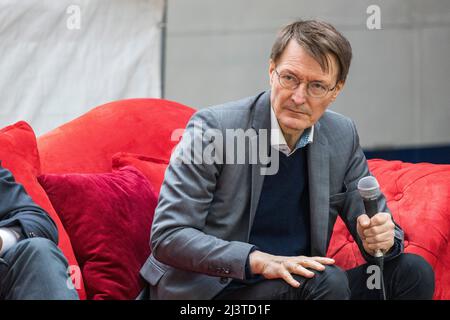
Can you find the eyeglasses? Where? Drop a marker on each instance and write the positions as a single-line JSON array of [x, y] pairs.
[[314, 89]]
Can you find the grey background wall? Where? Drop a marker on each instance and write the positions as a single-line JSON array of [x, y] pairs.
[[398, 90], [60, 58]]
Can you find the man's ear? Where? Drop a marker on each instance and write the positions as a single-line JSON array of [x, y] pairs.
[[271, 70], [337, 90]]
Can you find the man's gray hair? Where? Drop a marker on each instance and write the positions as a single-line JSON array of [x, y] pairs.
[[319, 39]]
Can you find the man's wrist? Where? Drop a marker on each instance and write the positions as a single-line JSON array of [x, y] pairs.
[[248, 272], [251, 261], [256, 261]]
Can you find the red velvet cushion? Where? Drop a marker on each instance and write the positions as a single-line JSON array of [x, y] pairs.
[[152, 168], [108, 217], [19, 154]]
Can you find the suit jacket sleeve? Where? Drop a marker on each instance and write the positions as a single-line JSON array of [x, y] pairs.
[[353, 205], [18, 211], [177, 236]]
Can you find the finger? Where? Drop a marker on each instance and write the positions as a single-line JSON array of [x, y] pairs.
[[360, 230], [298, 268], [373, 231], [312, 264], [364, 221], [389, 235], [380, 218], [302, 271], [380, 246], [286, 276], [290, 265], [323, 260]]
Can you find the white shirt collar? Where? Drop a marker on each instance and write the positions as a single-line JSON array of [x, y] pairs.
[[278, 141]]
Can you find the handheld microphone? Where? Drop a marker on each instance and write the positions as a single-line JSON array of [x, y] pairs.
[[369, 189]]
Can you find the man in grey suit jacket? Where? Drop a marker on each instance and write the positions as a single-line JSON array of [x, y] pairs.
[[255, 229]]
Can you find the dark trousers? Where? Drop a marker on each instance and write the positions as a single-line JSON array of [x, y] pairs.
[[406, 277], [35, 269]]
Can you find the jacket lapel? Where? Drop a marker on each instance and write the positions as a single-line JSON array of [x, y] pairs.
[[260, 120], [319, 185]]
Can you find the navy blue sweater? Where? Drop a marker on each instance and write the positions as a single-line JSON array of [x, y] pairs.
[[281, 225]]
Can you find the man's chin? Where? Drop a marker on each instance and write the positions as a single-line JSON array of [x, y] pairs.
[[293, 126]]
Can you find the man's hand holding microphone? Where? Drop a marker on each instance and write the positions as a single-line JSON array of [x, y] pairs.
[[376, 233]]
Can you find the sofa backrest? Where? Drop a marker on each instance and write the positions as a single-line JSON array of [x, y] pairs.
[[87, 143]]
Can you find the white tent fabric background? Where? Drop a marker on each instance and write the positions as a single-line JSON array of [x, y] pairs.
[[60, 58]]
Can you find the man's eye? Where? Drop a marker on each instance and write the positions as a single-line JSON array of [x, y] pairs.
[[317, 85], [289, 78]]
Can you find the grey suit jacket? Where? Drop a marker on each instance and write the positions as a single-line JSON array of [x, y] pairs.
[[202, 223]]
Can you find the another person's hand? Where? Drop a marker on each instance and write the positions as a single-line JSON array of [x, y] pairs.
[[281, 267], [376, 233]]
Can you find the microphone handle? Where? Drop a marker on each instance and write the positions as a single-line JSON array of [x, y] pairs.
[[371, 207]]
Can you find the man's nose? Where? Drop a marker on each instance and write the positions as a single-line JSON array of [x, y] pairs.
[[299, 94]]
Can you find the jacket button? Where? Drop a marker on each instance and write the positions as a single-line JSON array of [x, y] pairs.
[[223, 280], [32, 234]]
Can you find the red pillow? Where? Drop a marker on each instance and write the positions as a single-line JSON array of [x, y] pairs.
[[152, 168], [108, 217], [19, 154]]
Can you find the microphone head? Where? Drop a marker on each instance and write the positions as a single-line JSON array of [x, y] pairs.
[[369, 188]]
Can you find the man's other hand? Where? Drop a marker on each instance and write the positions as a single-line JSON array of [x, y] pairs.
[[281, 267]]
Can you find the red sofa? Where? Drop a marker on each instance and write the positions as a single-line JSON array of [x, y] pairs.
[[418, 194]]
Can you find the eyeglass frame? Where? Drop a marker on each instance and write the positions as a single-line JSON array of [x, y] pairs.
[[307, 85]]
